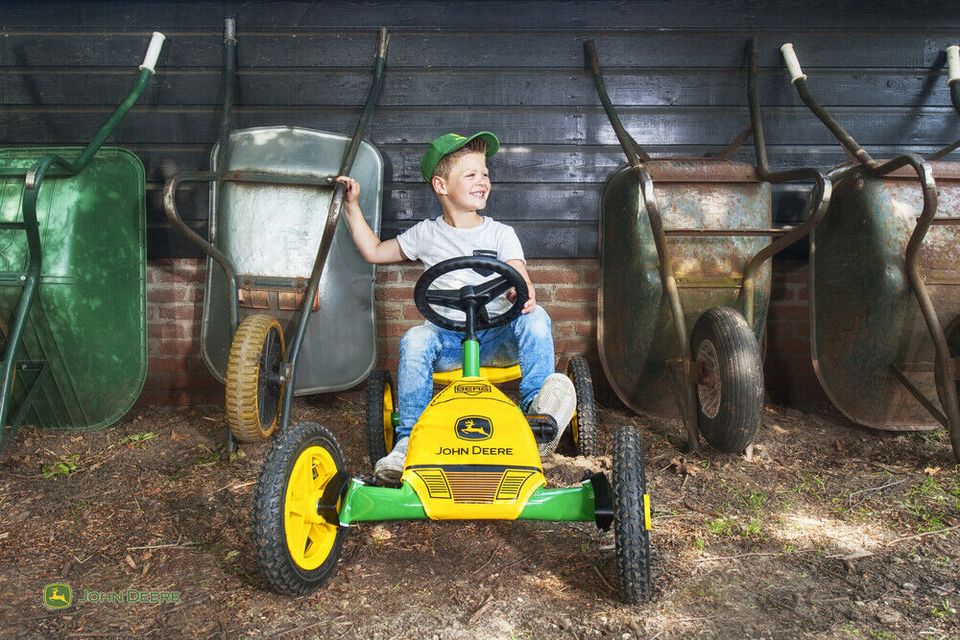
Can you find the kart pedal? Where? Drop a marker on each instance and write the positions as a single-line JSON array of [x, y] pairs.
[[544, 427]]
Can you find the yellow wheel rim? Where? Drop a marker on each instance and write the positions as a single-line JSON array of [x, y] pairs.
[[388, 418], [309, 537]]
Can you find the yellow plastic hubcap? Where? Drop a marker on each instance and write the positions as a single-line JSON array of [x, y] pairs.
[[309, 537], [388, 418]]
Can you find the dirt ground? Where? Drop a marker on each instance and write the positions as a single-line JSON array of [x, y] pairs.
[[826, 531]]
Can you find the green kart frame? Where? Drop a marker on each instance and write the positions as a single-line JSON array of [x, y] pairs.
[[305, 501], [72, 280]]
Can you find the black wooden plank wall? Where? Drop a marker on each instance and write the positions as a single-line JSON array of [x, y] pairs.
[[676, 70]]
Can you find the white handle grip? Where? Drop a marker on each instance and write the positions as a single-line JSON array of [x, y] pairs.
[[153, 51], [953, 63], [793, 65]]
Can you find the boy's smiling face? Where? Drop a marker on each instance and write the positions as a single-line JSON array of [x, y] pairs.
[[467, 186]]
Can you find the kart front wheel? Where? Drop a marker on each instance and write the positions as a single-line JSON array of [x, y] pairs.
[[631, 517], [297, 540]]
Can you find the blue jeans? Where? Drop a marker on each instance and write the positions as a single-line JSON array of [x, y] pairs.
[[427, 348]]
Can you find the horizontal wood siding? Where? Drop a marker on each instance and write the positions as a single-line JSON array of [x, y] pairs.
[[676, 71]]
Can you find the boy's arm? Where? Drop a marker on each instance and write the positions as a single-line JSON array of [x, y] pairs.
[[371, 248], [512, 294]]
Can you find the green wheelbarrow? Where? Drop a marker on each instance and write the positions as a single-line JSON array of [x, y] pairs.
[[885, 283], [685, 278], [72, 280], [288, 305]]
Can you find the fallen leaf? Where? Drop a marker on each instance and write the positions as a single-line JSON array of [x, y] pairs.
[[129, 561], [177, 436], [931, 471], [380, 534]]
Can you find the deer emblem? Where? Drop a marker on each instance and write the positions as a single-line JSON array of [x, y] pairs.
[[468, 427], [56, 595]]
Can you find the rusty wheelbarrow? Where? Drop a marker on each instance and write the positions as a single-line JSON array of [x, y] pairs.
[[685, 278], [288, 306], [885, 283]]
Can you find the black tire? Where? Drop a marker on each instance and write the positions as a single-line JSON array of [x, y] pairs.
[[381, 434], [730, 395], [581, 437], [278, 566], [631, 535]]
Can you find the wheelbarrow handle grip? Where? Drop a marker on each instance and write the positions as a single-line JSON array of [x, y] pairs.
[[793, 65], [153, 52], [953, 64]]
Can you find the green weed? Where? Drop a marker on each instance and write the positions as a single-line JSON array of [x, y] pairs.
[[206, 456], [753, 528], [62, 467], [721, 527], [811, 484], [137, 439], [943, 610]]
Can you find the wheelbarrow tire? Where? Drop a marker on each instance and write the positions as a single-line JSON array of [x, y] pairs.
[[381, 434], [953, 344], [254, 393], [581, 437], [730, 397], [631, 517], [297, 555]]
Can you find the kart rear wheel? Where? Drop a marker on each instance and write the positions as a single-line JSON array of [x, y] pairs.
[[631, 517], [297, 549], [381, 434], [730, 391], [254, 392], [581, 437]]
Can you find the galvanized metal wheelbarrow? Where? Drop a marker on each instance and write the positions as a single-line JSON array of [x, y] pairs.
[[72, 280], [288, 308], [884, 273], [685, 279]]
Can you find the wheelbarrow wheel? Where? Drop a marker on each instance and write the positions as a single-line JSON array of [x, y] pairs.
[[297, 548], [254, 391], [381, 434], [631, 517], [953, 344], [581, 437], [730, 390]]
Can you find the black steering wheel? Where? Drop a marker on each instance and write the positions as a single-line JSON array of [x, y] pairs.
[[472, 300]]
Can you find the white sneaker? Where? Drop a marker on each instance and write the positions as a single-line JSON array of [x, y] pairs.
[[390, 467], [558, 399]]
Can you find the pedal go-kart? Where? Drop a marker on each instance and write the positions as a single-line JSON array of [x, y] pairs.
[[471, 456]]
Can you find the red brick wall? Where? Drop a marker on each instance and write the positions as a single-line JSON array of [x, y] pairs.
[[567, 289]]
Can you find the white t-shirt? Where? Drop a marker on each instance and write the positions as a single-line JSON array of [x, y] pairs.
[[433, 241]]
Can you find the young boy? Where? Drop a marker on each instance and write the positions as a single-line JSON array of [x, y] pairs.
[[455, 166]]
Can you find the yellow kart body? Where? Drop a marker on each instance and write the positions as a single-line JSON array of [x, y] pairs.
[[472, 455]]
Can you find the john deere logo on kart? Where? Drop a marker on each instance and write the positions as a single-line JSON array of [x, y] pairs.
[[474, 428], [471, 388], [57, 596]]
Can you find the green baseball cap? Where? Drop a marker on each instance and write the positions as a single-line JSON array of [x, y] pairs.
[[450, 142]]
